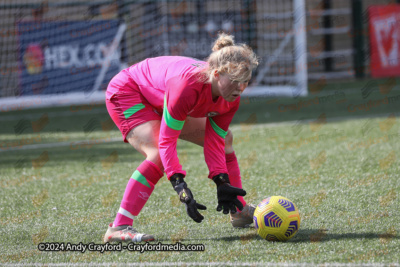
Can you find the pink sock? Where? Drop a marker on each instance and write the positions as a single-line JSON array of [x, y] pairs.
[[137, 192], [234, 173]]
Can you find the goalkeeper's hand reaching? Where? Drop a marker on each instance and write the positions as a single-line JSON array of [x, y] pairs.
[[186, 197], [227, 194]]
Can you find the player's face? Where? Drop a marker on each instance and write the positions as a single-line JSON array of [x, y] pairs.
[[230, 89]]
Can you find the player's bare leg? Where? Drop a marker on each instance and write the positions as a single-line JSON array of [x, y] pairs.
[[193, 131], [144, 138]]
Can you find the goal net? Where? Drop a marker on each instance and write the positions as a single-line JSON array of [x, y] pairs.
[[65, 53]]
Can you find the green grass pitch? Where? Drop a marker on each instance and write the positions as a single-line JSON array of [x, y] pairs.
[[343, 175]]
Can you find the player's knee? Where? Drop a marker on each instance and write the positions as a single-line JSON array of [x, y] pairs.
[[229, 142], [229, 138], [154, 156]]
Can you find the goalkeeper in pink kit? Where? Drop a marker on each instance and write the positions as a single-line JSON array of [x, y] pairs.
[[159, 100]]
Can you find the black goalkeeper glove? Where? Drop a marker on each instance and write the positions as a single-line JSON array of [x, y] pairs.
[[186, 197], [227, 194]]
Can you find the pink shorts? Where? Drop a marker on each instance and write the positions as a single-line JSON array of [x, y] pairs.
[[126, 105]]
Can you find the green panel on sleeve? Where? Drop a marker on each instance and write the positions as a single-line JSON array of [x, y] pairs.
[[217, 129], [171, 122]]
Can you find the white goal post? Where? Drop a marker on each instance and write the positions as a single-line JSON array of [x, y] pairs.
[[298, 80]]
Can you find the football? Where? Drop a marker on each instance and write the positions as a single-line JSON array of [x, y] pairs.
[[276, 219]]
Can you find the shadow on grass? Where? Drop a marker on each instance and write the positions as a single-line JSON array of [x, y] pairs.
[[318, 235], [304, 236]]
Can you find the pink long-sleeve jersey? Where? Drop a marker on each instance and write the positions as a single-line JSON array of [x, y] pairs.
[[171, 86]]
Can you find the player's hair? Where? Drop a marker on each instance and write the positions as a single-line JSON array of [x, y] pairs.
[[235, 60]]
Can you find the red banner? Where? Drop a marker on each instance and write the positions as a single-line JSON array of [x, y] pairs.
[[384, 34]]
